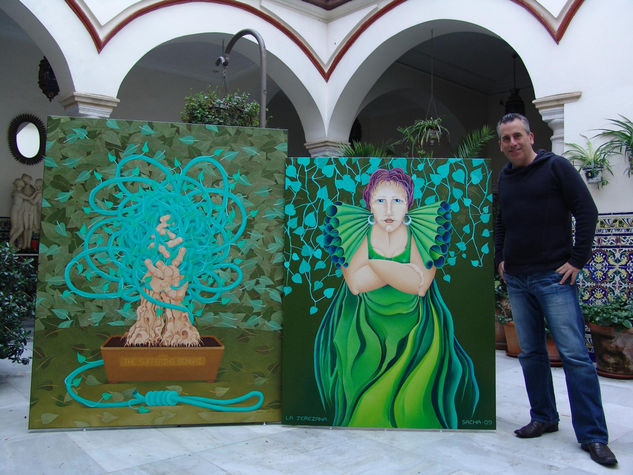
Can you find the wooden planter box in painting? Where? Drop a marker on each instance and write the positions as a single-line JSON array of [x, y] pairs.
[[158, 363]]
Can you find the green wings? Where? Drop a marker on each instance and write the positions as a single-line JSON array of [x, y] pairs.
[[346, 226]]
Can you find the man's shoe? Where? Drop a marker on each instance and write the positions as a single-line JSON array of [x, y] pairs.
[[600, 453], [536, 429]]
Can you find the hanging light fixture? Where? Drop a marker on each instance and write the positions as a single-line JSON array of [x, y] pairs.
[[46, 80], [514, 103]]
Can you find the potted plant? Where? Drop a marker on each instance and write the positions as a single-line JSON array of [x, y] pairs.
[[611, 325], [17, 301], [209, 107], [620, 139], [503, 314], [593, 161], [422, 134]]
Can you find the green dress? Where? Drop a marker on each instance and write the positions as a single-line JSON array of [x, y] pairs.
[[386, 358]]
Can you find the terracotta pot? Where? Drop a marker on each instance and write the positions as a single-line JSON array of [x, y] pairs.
[[159, 363], [552, 352], [614, 351], [500, 336], [513, 348]]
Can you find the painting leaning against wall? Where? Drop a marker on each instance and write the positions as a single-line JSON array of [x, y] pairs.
[[158, 301], [388, 294]]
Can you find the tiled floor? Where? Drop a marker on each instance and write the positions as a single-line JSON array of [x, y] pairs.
[[263, 449]]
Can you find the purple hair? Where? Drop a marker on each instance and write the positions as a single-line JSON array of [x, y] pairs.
[[396, 175]]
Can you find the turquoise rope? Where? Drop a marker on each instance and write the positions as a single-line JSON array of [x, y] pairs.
[[163, 398]]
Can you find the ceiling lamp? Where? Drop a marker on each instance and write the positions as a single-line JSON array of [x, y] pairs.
[[46, 80], [514, 103]]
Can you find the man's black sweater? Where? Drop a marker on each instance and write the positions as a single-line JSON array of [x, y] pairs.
[[533, 230]]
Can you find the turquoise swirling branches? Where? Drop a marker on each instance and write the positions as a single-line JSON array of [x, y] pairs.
[[203, 211]]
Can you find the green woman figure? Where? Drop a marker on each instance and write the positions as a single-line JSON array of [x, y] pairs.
[[385, 353]]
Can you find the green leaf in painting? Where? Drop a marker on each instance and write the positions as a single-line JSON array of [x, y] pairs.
[[228, 156], [72, 162], [56, 280], [146, 130], [60, 313], [50, 163], [131, 148], [188, 140], [251, 151], [83, 176], [47, 418], [64, 196]]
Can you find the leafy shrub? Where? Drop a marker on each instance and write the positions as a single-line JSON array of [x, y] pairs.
[[17, 302], [208, 107], [616, 312]]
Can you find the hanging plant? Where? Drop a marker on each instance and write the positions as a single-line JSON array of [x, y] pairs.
[[209, 107], [593, 161], [423, 133]]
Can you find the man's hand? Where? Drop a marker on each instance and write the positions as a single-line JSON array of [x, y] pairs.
[[502, 270], [568, 271]]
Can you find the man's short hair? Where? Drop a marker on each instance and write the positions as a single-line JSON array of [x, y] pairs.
[[513, 116]]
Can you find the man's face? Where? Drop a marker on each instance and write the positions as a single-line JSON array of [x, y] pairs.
[[516, 143]]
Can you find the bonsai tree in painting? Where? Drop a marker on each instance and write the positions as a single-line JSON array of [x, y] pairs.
[[160, 240]]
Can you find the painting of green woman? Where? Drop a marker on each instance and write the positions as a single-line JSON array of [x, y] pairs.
[[385, 353]]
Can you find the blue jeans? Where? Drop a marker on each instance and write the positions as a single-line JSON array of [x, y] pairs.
[[538, 295]]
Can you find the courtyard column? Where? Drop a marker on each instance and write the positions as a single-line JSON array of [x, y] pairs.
[[325, 148], [552, 109], [85, 104]]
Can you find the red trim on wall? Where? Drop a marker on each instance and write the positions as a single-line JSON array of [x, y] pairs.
[[101, 42], [556, 34]]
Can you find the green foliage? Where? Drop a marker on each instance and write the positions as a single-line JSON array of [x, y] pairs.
[[208, 107], [17, 301], [503, 311], [620, 138], [593, 160], [364, 149], [474, 141], [421, 134], [417, 136], [616, 312]]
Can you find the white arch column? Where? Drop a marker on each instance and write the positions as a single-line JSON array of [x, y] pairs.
[[552, 109], [325, 148], [85, 104]]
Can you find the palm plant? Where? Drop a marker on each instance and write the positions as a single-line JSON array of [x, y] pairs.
[[474, 141], [364, 149], [620, 138]]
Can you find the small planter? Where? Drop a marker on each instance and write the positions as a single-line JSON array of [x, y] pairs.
[[513, 349], [158, 363], [500, 336], [593, 174], [552, 352], [614, 351]]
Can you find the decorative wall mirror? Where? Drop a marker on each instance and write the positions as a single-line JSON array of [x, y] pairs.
[[27, 139]]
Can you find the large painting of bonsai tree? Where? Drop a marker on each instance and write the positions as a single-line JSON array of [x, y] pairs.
[[160, 275]]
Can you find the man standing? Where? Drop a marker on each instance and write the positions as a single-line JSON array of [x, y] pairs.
[[536, 256]]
